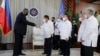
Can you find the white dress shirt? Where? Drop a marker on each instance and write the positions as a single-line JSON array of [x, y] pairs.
[[48, 29], [80, 32], [90, 32], [56, 32], [65, 30], [60, 24]]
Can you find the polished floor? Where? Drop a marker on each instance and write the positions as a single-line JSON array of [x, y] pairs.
[[74, 52]]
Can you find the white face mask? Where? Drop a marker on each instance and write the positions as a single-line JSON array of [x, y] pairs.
[[80, 19], [85, 16], [64, 19], [58, 20], [44, 20]]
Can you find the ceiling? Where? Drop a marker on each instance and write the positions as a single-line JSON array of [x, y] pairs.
[[92, 1], [96, 2]]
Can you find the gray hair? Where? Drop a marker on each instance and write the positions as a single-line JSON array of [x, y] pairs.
[[91, 11]]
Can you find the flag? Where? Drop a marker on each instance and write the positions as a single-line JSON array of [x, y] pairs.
[[5, 17], [62, 8]]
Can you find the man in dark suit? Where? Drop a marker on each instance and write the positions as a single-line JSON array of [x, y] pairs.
[[20, 29]]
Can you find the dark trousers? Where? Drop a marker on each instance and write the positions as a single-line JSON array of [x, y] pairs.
[[98, 45], [65, 48], [47, 46], [56, 42], [86, 51], [18, 44]]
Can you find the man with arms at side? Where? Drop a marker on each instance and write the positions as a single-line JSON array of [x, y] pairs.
[[89, 34], [83, 20], [65, 33], [56, 38], [20, 29]]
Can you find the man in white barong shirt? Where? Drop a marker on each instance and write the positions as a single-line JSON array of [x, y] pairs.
[[48, 29], [89, 34], [65, 33]]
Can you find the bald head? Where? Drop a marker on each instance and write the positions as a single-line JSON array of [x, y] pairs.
[[25, 11]]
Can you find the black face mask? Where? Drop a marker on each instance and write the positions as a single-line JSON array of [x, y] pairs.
[[53, 20], [61, 18]]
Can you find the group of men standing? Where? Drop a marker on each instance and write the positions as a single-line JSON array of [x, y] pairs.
[[62, 32], [88, 33]]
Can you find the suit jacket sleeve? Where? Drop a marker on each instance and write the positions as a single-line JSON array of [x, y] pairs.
[[27, 22]]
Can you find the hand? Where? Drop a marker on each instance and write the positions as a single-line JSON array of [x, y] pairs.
[[37, 26], [66, 39], [51, 35], [82, 40], [56, 27]]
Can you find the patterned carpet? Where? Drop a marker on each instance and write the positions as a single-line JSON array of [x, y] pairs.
[[74, 52]]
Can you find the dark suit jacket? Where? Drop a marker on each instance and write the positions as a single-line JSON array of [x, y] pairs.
[[21, 24]]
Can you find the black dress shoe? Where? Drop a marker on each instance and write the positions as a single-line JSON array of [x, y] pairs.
[[43, 53], [22, 54], [60, 53], [64, 55], [48, 55], [15, 55]]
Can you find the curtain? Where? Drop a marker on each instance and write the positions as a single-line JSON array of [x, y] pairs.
[[45, 7]]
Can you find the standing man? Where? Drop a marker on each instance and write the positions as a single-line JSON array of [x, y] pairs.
[[20, 29], [83, 20], [56, 38], [48, 29], [65, 33], [89, 34]]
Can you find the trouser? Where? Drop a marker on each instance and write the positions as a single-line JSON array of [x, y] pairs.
[[65, 48], [18, 44], [86, 50], [98, 45], [56, 41], [47, 46]]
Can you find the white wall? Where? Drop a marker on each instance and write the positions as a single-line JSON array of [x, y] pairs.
[[49, 7]]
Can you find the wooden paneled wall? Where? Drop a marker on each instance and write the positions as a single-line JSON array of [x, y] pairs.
[[70, 4], [83, 6]]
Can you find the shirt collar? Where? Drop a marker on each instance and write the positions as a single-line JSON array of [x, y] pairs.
[[90, 17], [48, 21], [66, 20]]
